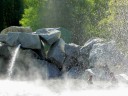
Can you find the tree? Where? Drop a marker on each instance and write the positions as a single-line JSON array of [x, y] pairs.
[[80, 16], [33, 13], [11, 12]]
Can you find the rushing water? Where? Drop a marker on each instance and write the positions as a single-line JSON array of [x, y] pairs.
[[60, 88], [12, 61]]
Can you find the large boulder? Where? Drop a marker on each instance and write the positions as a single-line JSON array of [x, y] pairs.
[[49, 70], [3, 38], [75, 72], [85, 50], [83, 59], [12, 38], [27, 40], [4, 51], [16, 29], [56, 53], [68, 63], [41, 52], [25, 61], [101, 73], [5, 56], [72, 50], [107, 54], [48, 35]]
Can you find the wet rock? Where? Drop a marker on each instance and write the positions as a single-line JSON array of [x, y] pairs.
[[69, 62], [85, 50], [25, 61], [28, 40], [49, 70], [5, 56], [106, 54], [3, 38], [101, 73], [3, 65], [56, 53], [83, 59], [40, 52], [49, 35], [72, 50], [4, 51], [16, 29], [75, 72], [87, 73], [12, 38]]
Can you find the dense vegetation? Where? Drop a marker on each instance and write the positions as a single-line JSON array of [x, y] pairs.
[[10, 12], [84, 18]]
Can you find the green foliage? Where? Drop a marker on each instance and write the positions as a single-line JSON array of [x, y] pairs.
[[82, 17], [33, 13], [10, 12]]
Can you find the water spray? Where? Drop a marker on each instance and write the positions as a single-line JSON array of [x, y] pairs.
[[12, 61]]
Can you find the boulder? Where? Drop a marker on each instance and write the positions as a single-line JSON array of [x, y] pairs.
[[101, 73], [56, 53], [106, 54], [40, 52], [72, 50], [85, 50], [12, 38], [4, 51], [3, 38], [3, 66], [48, 35], [69, 62], [5, 56], [16, 29], [28, 40], [75, 72], [49, 70], [83, 59], [25, 64]]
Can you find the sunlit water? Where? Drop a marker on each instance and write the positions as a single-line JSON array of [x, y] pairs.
[[60, 88], [12, 61]]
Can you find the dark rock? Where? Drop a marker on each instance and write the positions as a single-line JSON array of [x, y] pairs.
[[48, 35], [40, 52], [85, 50], [72, 50], [4, 51], [25, 64], [5, 56], [56, 53], [83, 59], [3, 38], [75, 72], [49, 70], [28, 40], [68, 63], [12, 38]]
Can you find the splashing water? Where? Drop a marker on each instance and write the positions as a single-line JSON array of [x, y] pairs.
[[12, 62], [58, 88]]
